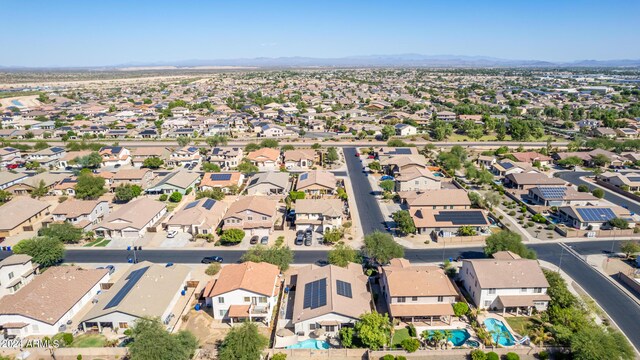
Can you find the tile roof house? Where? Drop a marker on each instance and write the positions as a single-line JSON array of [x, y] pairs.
[[593, 217], [441, 199], [81, 213], [327, 298], [300, 158], [114, 155], [506, 283], [169, 182], [140, 177], [268, 183], [417, 293], [221, 180], [8, 179], [265, 159], [318, 214], [187, 155], [247, 291], [22, 213], [417, 179], [560, 196], [50, 300], [226, 158], [198, 217], [531, 157], [146, 290], [16, 271], [525, 181], [317, 182], [253, 214], [446, 223], [27, 185], [132, 219]]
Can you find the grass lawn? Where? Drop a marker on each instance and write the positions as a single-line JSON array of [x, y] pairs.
[[88, 341], [399, 335], [93, 243], [103, 243], [522, 324]]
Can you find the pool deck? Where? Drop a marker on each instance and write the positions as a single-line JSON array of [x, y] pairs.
[[485, 316]]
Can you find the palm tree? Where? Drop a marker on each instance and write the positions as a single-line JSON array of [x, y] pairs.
[[436, 337], [448, 334], [540, 335], [497, 334]]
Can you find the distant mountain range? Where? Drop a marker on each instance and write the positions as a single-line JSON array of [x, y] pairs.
[[401, 60]]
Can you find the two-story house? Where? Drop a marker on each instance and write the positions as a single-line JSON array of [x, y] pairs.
[[417, 179], [81, 213], [47, 157], [247, 291], [226, 158], [187, 155], [318, 215], [15, 272], [299, 158], [115, 155], [265, 159], [9, 155], [506, 282], [253, 214], [317, 183], [418, 293]]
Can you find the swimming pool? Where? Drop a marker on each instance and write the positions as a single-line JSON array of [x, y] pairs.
[[458, 336], [310, 344], [499, 332], [17, 103], [438, 174]]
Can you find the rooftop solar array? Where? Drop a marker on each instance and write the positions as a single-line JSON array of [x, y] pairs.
[[596, 214], [132, 280], [634, 178], [402, 151], [462, 217], [216, 151], [208, 204], [193, 149], [220, 177], [315, 294], [343, 288], [191, 205], [57, 149], [10, 149], [553, 192], [506, 165], [304, 176]]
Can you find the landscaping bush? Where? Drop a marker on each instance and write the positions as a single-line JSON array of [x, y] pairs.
[[539, 219], [400, 357], [410, 345], [599, 193], [583, 188], [388, 357], [213, 269], [530, 223], [543, 355], [232, 236], [163, 197], [512, 356], [492, 356], [175, 197], [279, 356], [551, 227], [478, 355], [460, 309], [512, 213], [412, 330]]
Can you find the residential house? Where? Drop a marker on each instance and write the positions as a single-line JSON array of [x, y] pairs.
[[253, 214], [266, 159], [507, 167], [525, 181], [140, 177], [27, 185], [247, 291], [221, 180], [146, 290], [447, 223], [16, 271], [198, 217], [8, 179], [328, 298], [593, 217], [318, 215], [532, 157], [47, 157], [268, 183], [300, 158], [604, 132], [270, 131], [81, 213], [132, 219], [403, 163], [417, 293], [176, 181], [115, 155], [626, 181], [405, 130], [45, 306], [384, 153], [187, 155], [226, 158], [441, 199], [9, 155], [417, 179], [560, 196], [485, 161], [22, 213], [317, 183], [506, 283], [626, 133], [140, 154]]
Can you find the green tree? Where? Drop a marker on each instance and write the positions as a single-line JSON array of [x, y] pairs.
[[619, 223], [175, 197], [287, 147], [404, 222], [583, 188], [507, 241], [341, 255], [247, 167], [595, 343], [387, 185], [460, 308], [387, 132], [600, 160], [215, 193], [281, 256], [599, 193], [332, 155], [346, 337], [243, 342], [89, 187], [151, 341], [569, 162], [44, 250], [210, 167], [91, 161], [65, 232], [316, 146], [381, 247], [217, 140], [126, 193], [630, 247], [232, 236], [375, 166], [183, 140], [269, 143], [40, 190], [332, 236], [373, 329], [410, 345], [4, 196], [153, 162]]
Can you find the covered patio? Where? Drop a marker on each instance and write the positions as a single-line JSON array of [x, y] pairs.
[[240, 313], [425, 313], [522, 304]]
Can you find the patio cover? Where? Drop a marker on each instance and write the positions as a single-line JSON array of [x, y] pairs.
[[521, 300], [421, 310], [238, 311]]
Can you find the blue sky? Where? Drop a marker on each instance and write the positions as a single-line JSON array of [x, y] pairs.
[[108, 32]]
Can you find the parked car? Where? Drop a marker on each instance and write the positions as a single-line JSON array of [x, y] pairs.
[[254, 240], [387, 177], [111, 269], [264, 240], [116, 166], [171, 234], [307, 241], [211, 259], [357, 154], [12, 166], [371, 157], [299, 237]]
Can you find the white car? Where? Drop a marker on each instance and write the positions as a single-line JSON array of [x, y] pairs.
[[171, 234]]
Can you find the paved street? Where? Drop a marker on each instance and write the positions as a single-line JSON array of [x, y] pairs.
[[574, 178], [370, 215]]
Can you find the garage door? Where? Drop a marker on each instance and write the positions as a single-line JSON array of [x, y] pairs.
[[260, 232], [130, 233]]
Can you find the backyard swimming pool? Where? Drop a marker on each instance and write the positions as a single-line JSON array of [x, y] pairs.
[[458, 336], [17, 103], [310, 344], [438, 174], [499, 332]]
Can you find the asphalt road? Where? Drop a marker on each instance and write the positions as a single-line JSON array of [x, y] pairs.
[[371, 217], [574, 178]]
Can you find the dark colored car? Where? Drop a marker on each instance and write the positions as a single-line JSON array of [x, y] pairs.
[[254, 239], [264, 240], [307, 241], [211, 259], [299, 237]]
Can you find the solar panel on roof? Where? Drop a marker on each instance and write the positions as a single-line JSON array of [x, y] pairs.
[[57, 149], [9, 149], [132, 280], [403, 151], [596, 214], [304, 176], [343, 288], [208, 204], [553, 192], [191, 205], [634, 178], [506, 165], [193, 149], [220, 177], [315, 294], [461, 217], [216, 151]]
